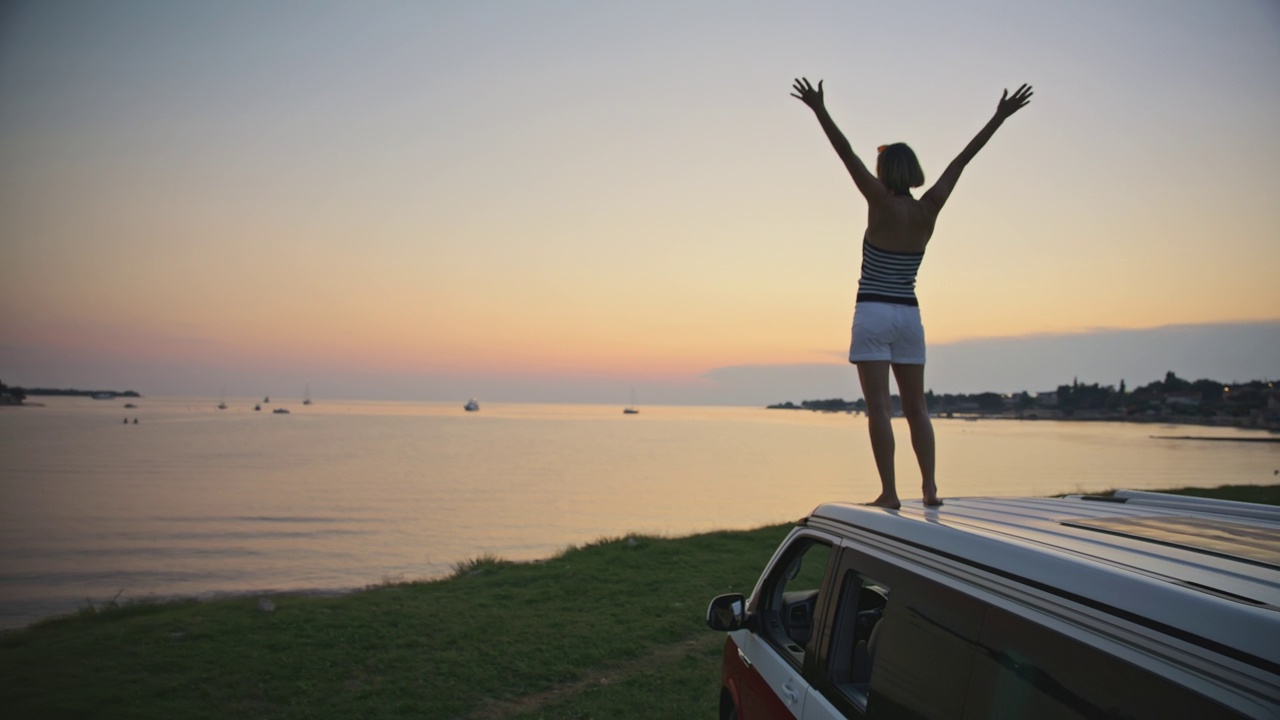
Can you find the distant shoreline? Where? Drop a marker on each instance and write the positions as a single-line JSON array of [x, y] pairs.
[[1242, 424], [1137, 420], [1217, 439], [70, 392]]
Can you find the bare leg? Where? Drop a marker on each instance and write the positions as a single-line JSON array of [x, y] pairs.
[[874, 377], [911, 392]]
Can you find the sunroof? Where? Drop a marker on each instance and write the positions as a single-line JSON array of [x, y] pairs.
[[1249, 543]]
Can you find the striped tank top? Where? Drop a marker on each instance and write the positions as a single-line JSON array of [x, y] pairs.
[[887, 276]]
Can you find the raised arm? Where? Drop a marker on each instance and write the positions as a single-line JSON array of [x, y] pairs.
[[870, 186], [941, 190]]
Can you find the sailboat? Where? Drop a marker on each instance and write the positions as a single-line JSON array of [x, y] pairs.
[[306, 396], [471, 405], [222, 402], [631, 409]]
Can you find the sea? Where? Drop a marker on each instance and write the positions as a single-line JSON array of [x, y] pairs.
[[196, 501]]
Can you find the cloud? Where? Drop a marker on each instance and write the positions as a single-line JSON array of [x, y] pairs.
[[767, 384], [1227, 352]]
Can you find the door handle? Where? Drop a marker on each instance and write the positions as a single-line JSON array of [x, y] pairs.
[[790, 693], [743, 657]]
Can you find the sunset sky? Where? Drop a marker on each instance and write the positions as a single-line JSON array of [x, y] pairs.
[[564, 200]]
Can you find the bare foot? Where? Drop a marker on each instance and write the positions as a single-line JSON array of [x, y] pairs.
[[889, 501], [931, 498]]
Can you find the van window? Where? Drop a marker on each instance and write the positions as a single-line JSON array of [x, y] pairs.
[[898, 644], [789, 601], [855, 636], [1027, 670]]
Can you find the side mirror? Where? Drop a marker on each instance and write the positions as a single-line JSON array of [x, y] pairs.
[[727, 612]]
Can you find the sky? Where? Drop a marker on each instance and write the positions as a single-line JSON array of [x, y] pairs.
[[566, 200]]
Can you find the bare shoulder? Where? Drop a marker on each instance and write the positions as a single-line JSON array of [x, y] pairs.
[[901, 225]]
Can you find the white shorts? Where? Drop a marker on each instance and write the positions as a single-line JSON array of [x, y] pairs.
[[886, 331]]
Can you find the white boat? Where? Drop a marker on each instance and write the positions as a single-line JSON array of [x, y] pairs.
[[471, 405]]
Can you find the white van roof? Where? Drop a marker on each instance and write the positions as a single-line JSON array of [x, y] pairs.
[[1205, 571]]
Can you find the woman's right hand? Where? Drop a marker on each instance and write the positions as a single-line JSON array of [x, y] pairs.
[[1010, 105], [807, 94]]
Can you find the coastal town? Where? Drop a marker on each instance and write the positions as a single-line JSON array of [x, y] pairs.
[[1253, 404]]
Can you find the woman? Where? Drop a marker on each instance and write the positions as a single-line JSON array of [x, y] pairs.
[[887, 332]]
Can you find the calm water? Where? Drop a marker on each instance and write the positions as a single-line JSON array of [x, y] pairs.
[[197, 501]]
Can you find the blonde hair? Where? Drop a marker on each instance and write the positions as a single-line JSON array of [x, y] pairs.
[[898, 168]]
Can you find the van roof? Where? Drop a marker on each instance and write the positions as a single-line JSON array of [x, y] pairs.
[[1207, 571]]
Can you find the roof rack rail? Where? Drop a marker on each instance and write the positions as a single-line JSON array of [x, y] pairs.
[[1199, 504]]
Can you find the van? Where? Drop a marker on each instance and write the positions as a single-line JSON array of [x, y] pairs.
[[1141, 605]]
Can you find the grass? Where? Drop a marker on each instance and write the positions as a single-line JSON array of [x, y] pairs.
[[613, 629], [610, 630]]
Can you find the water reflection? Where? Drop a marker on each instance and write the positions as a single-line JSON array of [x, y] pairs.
[[198, 501]]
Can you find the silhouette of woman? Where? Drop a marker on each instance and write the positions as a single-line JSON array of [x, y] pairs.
[[887, 331]]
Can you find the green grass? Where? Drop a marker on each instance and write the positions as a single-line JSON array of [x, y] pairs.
[[611, 630]]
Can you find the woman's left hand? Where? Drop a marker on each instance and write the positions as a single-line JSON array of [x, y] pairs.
[[807, 94], [1012, 104]]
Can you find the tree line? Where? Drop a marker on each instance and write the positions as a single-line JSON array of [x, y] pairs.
[[15, 395], [1172, 395]]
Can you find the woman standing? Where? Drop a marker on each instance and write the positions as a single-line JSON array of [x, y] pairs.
[[887, 331]]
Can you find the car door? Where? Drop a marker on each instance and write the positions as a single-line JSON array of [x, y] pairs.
[[787, 607], [771, 686]]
